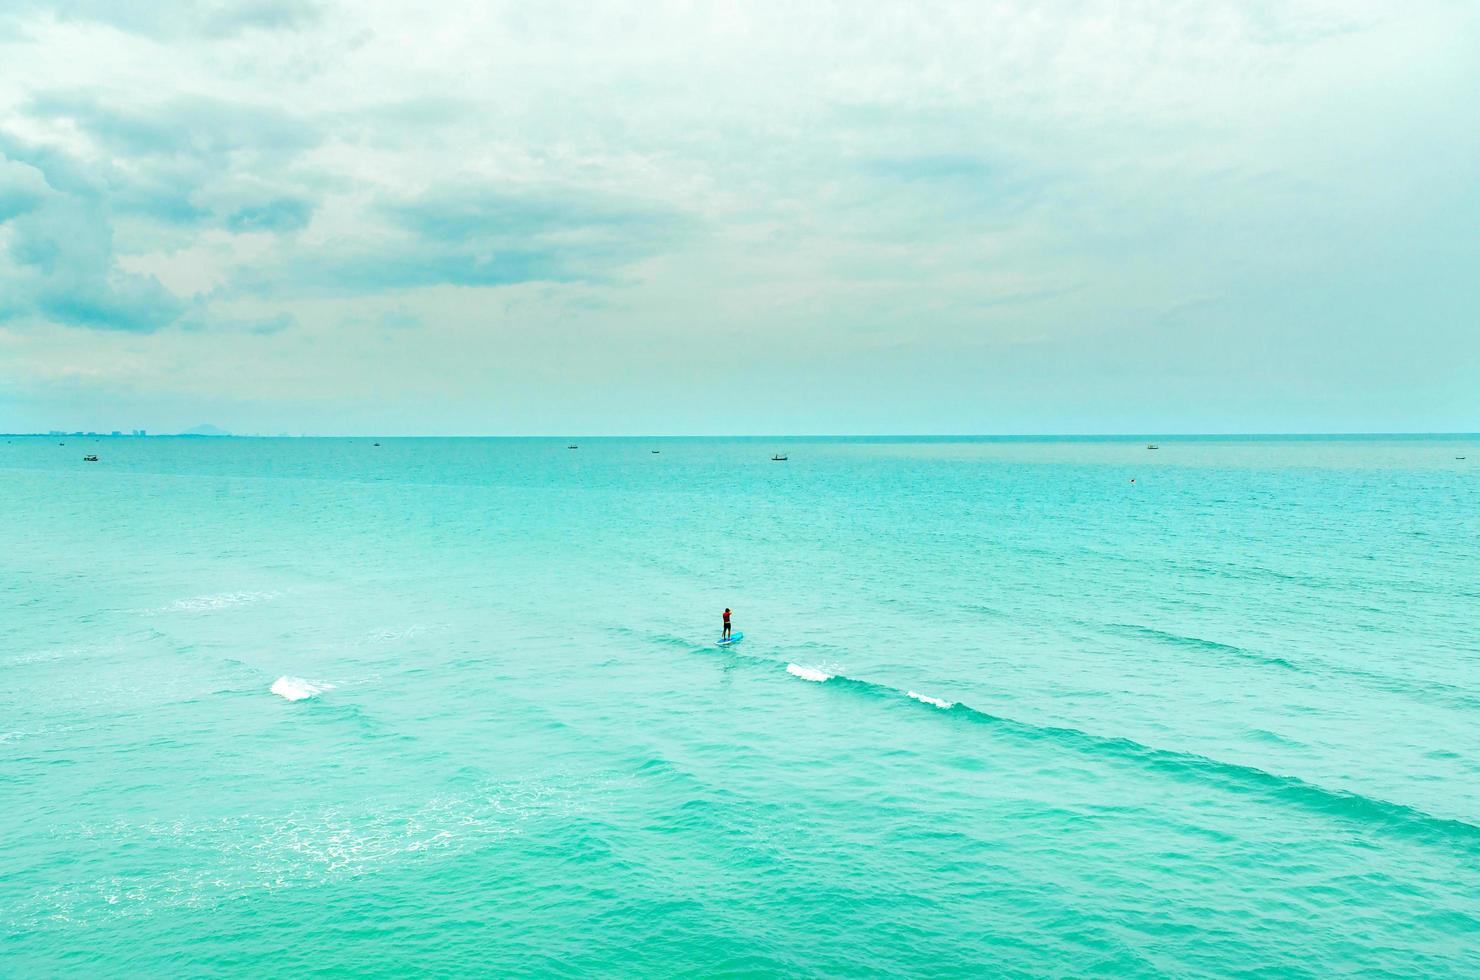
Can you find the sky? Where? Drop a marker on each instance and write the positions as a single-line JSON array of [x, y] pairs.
[[1025, 216]]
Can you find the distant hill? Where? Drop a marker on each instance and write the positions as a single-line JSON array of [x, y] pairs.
[[205, 430]]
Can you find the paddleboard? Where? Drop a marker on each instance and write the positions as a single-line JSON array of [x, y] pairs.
[[735, 637]]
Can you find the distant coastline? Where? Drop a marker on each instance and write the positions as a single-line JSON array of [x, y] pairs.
[[199, 432]]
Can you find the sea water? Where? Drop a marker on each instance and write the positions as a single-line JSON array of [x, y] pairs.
[[277, 707]]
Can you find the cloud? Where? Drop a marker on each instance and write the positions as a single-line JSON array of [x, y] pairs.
[[60, 265], [203, 318], [113, 302], [198, 128], [479, 231], [22, 188], [163, 19], [189, 163], [477, 236], [281, 215], [490, 213], [57, 168], [227, 19], [180, 162], [948, 167], [404, 268], [147, 175], [790, 183]]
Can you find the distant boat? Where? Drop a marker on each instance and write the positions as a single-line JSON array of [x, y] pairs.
[[377, 443], [778, 459], [1152, 445], [657, 451], [572, 447], [89, 459]]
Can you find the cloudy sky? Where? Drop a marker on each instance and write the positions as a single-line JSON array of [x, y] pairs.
[[771, 217]]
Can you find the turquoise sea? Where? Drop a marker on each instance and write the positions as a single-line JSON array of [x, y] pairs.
[[999, 710]]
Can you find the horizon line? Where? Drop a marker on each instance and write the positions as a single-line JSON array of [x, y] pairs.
[[1290, 434]]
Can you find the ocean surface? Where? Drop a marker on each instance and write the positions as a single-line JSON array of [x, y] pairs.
[[292, 707]]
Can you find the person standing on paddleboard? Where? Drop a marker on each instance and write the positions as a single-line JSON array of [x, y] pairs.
[[726, 634]]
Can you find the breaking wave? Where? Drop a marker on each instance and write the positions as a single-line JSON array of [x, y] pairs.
[[219, 600], [298, 689], [1371, 812]]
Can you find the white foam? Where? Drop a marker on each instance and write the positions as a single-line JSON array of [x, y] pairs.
[[930, 700], [807, 673], [219, 601], [296, 688]]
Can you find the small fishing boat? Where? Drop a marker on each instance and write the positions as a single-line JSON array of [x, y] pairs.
[[1152, 445], [778, 459], [89, 459], [572, 447]]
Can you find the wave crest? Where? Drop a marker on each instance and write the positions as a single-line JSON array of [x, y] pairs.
[[298, 689]]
